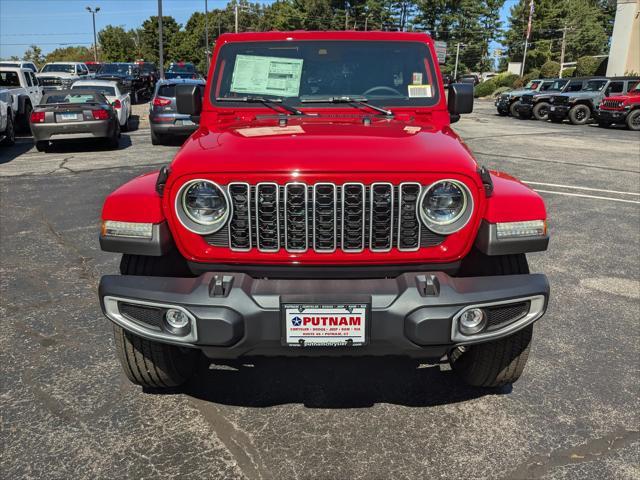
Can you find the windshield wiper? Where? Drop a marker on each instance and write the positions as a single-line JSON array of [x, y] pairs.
[[362, 101], [269, 102]]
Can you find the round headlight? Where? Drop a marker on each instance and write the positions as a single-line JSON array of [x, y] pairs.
[[202, 206], [446, 206]]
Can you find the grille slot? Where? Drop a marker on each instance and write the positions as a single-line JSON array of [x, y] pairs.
[[408, 223], [268, 217], [381, 217], [501, 315], [296, 226], [151, 316], [612, 103], [324, 217], [325, 233], [240, 223]]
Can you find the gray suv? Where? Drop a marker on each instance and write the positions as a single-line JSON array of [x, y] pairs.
[[580, 106], [536, 104], [506, 103], [164, 119]]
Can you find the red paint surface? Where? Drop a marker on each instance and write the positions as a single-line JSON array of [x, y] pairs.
[[325, 149]]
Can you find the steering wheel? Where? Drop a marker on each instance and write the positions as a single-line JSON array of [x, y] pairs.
[[385, 88]]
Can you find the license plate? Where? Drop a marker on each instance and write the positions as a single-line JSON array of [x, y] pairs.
[[68, 116], [553, 109], [325, 325]]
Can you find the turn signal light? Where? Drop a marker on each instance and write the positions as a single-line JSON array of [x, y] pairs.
[[161, 102], [100, 114], [112, 228], [37, 117], [532, 228]]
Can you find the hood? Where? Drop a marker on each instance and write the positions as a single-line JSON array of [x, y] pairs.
[[112, 76], [56, 75], [318, 146], [518, 93], [580, 94]]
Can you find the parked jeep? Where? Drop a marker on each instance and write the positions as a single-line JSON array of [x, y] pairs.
[[506, 102], [536, 104], [578, 107], [623, 110], [26, 93], [61, 75], [324, 207], [130, 77]]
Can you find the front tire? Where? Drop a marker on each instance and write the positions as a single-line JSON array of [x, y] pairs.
[[513, 110], [153, 364], [580, 114], [633, 120], [500, 362], [541, 111]]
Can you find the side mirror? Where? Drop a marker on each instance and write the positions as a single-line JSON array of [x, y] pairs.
[[460, 100], [189, 100]]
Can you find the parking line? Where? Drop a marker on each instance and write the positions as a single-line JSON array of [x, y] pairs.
[[579, 188], [588, 196]]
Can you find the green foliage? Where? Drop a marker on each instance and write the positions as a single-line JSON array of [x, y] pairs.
[[484, 89], [568, 72], [501, 90], [532, 75], [34, 54], [587, 66], [116, 44], [148, 34], [589, 24], [550, 69], [506, 79], [70, 54]]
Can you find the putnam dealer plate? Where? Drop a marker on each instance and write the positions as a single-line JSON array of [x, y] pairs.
[[325, 325]]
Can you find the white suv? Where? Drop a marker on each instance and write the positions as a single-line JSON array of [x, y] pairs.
[[26, 92]]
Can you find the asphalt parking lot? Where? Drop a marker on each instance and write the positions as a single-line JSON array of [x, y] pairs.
[[69, 412]]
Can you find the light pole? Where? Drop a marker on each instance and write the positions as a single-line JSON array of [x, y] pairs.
[[237, 9], [95, 41], [455, 69], [206, 33], [161, 49]]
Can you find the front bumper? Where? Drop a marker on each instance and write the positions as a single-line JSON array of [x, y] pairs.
[[559, 111], [502, 105], [611, 116], [234, 315], [58, 131]]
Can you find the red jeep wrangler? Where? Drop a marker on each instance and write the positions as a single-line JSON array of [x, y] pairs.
[[324, 207], [622, 109]]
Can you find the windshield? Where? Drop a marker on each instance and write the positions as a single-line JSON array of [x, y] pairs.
[[9, 79], [636, 88], [93, 67], [60, 67], [386, 73], [80, 97], [106, 91], [182, 68], [115, 68], [558, 84], [595, 85]]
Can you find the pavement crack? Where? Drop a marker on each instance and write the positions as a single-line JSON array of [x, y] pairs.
[[539, 465]]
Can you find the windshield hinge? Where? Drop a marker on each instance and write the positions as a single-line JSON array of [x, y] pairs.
[[487, 182], [163, 175]]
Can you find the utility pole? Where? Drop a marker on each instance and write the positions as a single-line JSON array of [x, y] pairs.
[[95, 40], [526, 41], [161, 49], [206, 33], [455, 69], [564, 45], [346, 16]]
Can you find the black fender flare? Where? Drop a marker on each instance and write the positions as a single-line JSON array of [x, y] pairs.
[[22, 103]]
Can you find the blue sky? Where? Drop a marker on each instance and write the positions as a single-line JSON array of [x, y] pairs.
[[50, 23]]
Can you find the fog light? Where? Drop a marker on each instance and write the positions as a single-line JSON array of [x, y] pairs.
[[177, 321], [472, 321]]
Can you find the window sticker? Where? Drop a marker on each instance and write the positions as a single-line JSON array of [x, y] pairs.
[[267, 75], [416, 78], [420, 91]]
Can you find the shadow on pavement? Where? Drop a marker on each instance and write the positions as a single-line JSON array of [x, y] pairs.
[[86, 145], [22, 145], [330, 383]]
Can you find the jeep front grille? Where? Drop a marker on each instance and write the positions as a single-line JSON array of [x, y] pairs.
[[324, 218], [612, 104]]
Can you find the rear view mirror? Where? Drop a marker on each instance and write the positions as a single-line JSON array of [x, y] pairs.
[[460, 100], [189, 100]]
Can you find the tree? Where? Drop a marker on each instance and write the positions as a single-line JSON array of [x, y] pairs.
[[116, 44], [34, 54], [70, 54], [149, 47]]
